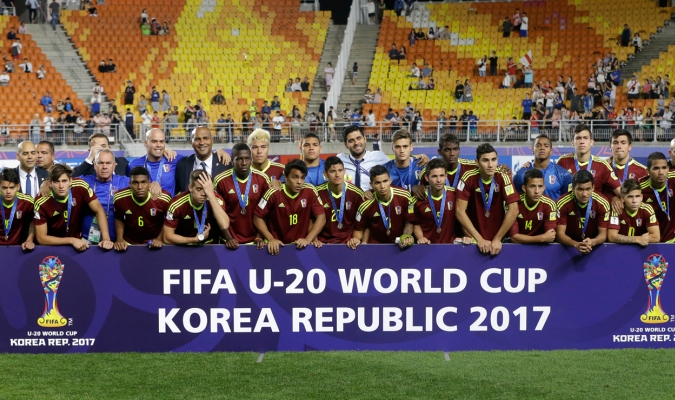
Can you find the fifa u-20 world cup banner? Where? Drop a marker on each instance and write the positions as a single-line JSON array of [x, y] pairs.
[[450, 298]]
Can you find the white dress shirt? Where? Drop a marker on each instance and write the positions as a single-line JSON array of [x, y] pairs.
[[33, 181], [369, 160], [209, 165]]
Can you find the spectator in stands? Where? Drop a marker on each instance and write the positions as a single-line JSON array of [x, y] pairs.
[[459, 91], [34, 128], [414, 71], [95, 104], [529, 76], [633, 86], [431, 85], [355, 73], [146, 29], [46, 99], [421, 84], [166, 101], [511, 69], [666, 120], [646, 89], [370, 10], [218, 99], [93, 12], [468, 95], [493, 63], [524, 25], [11, 35], [427, 71], [289, 86], [102, 68], [506, 27], [368, 97], [142, 105], [393, 53], [68, 106], [431, 35], [625, 36], [328, 72], [41, 73], [55, 11], [402, 53], [412, 37], [398, 7], [4, 78], [33, 6], [129, 121], [506, 83], [78, 128], [637, 43], [146, 121], [266, 108], [129, 92], [370, 118], [9, 66], [445, 33], [381, 6], [111, 66], [154, 27], [16, 49], [296, 86], [164, 30], [482, 66], [22, 27], [305, 83]]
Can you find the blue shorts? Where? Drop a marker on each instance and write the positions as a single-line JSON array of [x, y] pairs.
[[523, 33]]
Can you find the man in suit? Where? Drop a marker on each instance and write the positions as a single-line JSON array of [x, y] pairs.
[[204, 158], [30, 177], [99, 141]]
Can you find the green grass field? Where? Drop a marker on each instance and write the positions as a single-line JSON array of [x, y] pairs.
[[612, 374]]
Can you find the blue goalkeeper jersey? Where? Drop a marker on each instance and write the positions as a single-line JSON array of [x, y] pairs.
[[557, 179]]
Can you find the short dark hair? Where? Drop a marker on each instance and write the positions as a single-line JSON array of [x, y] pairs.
[[542, 136], [655, 156], [10, 175], [532, 174], [98, 135], [622, 132], [348, 130], [240, 147], [582, 176], [194, 176], [330, 161], [629, 185], [435, 164], [57, 170], [48, 143], [312, 135], [583, 127], [139, 171], [295, 164], [377, 171], [484, 148], [447, 138]]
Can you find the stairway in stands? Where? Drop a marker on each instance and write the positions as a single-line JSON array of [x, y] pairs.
[[363, 51], [331, 50], [656, 46]]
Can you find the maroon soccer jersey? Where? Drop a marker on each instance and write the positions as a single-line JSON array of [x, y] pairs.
[[353, 200], [143, 220], [662, 205], [424, 217], [23, 216], [468, 189], [241, 225], [604, 179], [635, 224], [183, 215], [54, 213], [569, 214], [274, 171], [536, 219], [398, 211], [463, 167], [287, 216], [635, 171]]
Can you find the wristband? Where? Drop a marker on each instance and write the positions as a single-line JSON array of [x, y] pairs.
[[406, 236]]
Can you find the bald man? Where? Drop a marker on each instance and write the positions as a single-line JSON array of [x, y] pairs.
[[671, 153], [162, 170], [204, 158], [30, 177]]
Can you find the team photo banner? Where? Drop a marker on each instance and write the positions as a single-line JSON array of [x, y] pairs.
[[378, 297]]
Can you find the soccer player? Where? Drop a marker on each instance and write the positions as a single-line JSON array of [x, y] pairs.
[[341, 201], [58, 216], [162, 170], [583, 215], [45, 155], [657, 191], [557, 180], [623, 165], [242, 188], [604, 179], [285, 215], [637, 222], [17, 212], [104, 184], [388, 216], [138, 217], [259, 143], [435, 215], [192, 214], [477, 191], [448, 149], [537, 213], [404, 169], [311, 151]]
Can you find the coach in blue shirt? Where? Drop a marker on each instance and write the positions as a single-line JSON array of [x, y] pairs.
[[162, 170], [557, 179]]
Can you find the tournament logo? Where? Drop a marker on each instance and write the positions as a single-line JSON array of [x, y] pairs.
[[551, 179], [51, 272], [655, 272], [303, 202]]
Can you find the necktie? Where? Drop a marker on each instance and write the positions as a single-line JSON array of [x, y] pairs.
[[203, 164], [357, 176], [29, 185]]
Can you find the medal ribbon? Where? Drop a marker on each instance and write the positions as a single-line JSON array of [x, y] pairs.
[[437, 218], [385, 220], [588, 214], [158, 177], [7, 227], [487, 203], [243, 201], [625, 171], [588, 168], [201, 224], [658, 199], [340, 212]]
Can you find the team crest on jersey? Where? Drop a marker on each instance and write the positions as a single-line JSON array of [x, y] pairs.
[[631, 176], [449, 206], [153, 212], [551, 179], [348, 205], [18, 214], [592, 213], [255, 188], [74, 202], [593, 172], [638, 222], [398, 210], [417, 175], [303, 202], [496, 187], [670, 192], [273, 178], [540, 216], [167, 167]]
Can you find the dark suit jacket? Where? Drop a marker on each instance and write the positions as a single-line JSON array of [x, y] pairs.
[[185, 167], [85, 168], [42, 176]]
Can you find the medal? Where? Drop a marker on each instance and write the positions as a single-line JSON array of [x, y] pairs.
[[665, 209], [588, 214], [438, 216], [201, 223], [243, 199], [388, 232], [487, 203], [385, 220], [200, 237], [7, 225], [438, 230], [339, 214]]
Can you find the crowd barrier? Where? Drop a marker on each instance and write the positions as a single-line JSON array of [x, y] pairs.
[[378, 297]]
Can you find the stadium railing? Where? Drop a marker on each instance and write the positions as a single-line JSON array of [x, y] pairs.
[[341, 66], [4, 10]]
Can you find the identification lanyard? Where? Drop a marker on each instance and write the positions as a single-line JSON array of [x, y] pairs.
[[588, 214], [438, 217], [665, 209], [8, 226], [243, 200], [625, 170], [487, 203], [590, 164], [340, 213], [158, 177], [201, 224], [110, 193], [386, 220]]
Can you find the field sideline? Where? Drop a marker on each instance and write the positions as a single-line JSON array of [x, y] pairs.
[[615, 374]]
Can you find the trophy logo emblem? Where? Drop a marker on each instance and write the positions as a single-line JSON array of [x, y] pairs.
[[51, 272], [655, 272]]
